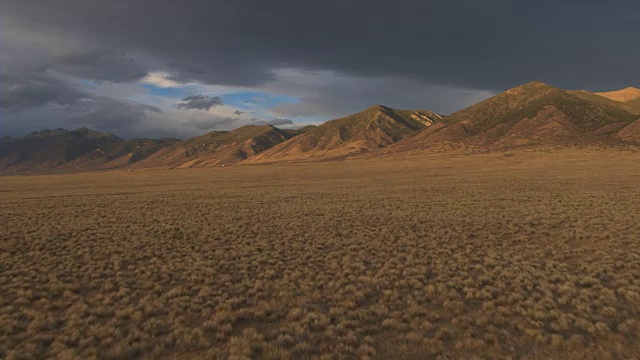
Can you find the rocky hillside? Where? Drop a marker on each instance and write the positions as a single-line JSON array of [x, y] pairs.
[[43, 151], [60, 150], [371, 129], [531, 114], [217, 148]]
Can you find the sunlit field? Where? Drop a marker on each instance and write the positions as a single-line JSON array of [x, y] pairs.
[[526, 255]]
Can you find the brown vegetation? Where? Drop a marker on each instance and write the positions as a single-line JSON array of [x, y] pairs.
[[531, 255]]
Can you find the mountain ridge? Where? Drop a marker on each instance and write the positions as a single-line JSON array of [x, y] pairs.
[[83, 149], [622, 95], [532, 114], [375, 127], [217, 148]]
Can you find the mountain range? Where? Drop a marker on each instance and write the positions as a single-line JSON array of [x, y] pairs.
[[534, 114]]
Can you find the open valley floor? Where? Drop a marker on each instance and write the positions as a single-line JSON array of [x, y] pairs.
[[530, 254]]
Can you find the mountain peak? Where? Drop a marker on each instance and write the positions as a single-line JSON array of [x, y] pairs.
[[533, 100], [532, 88], [45, 133], [370, 129], [87, 131], [92, 134], [622, 95], [254, 128], [535, 84], [377, 107]]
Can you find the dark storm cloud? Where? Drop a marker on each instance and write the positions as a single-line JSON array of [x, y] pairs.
[[101, 65], [332, 96], [23, 90], [441, 55], [40, 85], [474, 44], [199, 102], [184, 73]]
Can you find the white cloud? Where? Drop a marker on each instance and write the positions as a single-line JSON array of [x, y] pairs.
[[161, 79]]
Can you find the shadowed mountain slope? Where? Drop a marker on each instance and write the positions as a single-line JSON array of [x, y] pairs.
[[630, 132], [307, 128], [635, 104], [629, 107], [118, 155], [629, 96], [48, 149], [217, 148], [55, 151], [367, 130]]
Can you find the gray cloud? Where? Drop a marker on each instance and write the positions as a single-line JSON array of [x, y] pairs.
[[238, 112], [341, 56], [22, 90], [106, 113], [199, 102], [331, 95], [274, 122], [126, 119], [184, 73], [61, 101], [101, 65], [211, 123], [277, 122]]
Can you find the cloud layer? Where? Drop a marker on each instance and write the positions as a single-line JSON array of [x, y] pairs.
[[333, 57], [489, 44]]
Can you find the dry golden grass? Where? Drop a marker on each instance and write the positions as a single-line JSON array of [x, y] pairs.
[[532, 255]]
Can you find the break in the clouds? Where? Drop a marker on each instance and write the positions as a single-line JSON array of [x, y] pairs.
[[199, 102], [320, 59]]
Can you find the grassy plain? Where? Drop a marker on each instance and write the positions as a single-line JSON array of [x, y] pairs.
[[533, 254]]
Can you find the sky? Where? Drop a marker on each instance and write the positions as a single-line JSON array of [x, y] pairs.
[[157, 68]]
